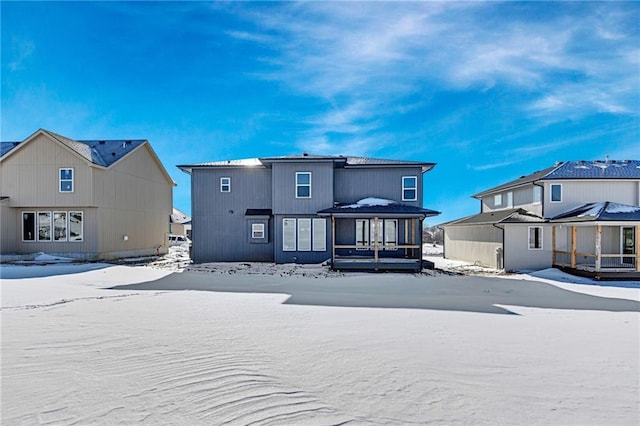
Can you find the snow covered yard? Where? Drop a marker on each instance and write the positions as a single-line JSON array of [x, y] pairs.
[[289, 346]]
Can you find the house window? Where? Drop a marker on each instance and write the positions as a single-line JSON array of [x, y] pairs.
[[44, 226], [257, 230], [303, 184], [304, 234], [75, 226], [376, 232], [390, 233], [319, 234], [535, 238], [509, 199], [362, 234], [66, 180], [60, 226], [497, 200], [556, 193], [537, 194], [409, 188], [28, 226], [225, 184], [288, 235]]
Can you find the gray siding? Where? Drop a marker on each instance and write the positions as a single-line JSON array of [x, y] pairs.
[[221, 231], [9, 232], [355, 184], [284, 183], [522, 198], [518, 256], [576, 193], [477, 244]]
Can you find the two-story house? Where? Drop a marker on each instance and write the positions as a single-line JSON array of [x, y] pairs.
[[582, 215], [86, 199], [359, 213]]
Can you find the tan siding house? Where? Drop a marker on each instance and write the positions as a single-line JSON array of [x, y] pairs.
[[83, 199]]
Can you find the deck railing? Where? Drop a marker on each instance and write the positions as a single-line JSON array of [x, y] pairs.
[[588, 261]]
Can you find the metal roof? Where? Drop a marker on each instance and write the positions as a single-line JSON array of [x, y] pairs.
[[522, 180], [516, 215], [608, 169], [603, 211], [390, 209], [7, 146]]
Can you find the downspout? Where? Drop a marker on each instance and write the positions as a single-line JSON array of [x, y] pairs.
[[503, 250]]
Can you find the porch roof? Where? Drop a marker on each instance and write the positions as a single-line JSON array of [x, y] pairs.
[[371, 207], [604, 211]]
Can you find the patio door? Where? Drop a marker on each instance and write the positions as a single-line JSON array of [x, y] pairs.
[[628, 244]]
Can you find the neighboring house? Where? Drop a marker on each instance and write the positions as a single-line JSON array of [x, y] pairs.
[[180, 223], [582, 215], [97, 199], [359, 213]]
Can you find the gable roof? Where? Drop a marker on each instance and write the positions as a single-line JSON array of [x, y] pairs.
[[603, 211], [103, 153], [339, 161], [516, 215], [179, 217], [609, 169], [521, 181]]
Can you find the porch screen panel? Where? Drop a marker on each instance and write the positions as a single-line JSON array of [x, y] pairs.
[[319, 234], [362, 233], [391, 233], [304, 234], [288, 235]]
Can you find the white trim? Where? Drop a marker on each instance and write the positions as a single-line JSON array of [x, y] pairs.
[[66, 225], [289, 224], [319, 234], [407, 188], [300, 185], [497, 200], [541, 234], [551, 192], [38, 225], [60, 180], [509, 199], [533, 195], [227, 185], [304, 234], [255, 230], [35, 225], [81, 237]]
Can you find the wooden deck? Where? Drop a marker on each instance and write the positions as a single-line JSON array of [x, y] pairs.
[[381, 264], [602, 275]]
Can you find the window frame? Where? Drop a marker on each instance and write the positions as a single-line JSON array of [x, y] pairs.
[[559, 185], [286, 225], [33, 228], [364, 233], [66, 225], [303, 185], [537, 190], [497, 200], [540, 239], [61, 180], [509, 199], [408, 188], [303, 229], [40, 224], [387, 243], [226, 185], [81, 238], [319, 234], [255, 231]]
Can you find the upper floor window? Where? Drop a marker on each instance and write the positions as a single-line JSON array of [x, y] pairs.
[[409, 188], [509, 199], [556, 193], [66, 180], [497, 200], [303, 184], [537, 194], [225, 184]]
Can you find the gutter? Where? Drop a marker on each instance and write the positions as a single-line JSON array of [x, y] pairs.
[[503, 250]]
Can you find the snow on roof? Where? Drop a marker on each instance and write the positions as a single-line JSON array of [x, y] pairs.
[[603, 211], [368, 202]]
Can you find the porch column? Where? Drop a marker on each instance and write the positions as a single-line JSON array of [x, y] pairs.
[[573, 247], [553, 245], [375, 240], [413, 237], [598, 246], [333, 241], [637, 237], [406, 237]]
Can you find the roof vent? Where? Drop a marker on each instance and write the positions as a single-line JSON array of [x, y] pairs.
[[101, 142], [113, 154], [127, 142], [304, 154]]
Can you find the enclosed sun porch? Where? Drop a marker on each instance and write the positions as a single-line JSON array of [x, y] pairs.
[[377, 235]]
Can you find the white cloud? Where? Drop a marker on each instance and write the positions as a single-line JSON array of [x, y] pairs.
[[20, 51]]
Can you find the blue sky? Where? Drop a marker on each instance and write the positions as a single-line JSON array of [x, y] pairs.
[[487, 90]]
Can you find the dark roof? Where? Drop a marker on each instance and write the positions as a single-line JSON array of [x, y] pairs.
[[371, 206], [603, 211], [258, 212], [7, 146], [339, 161], [516, 215], [101, 152], [609, 169], [522, 180]]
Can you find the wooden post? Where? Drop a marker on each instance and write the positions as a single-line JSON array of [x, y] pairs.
[[636, 237], [413, 237], [553, 245], [406, 236], [598, 246], [573, 247], [375, 241], [333, 242]]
